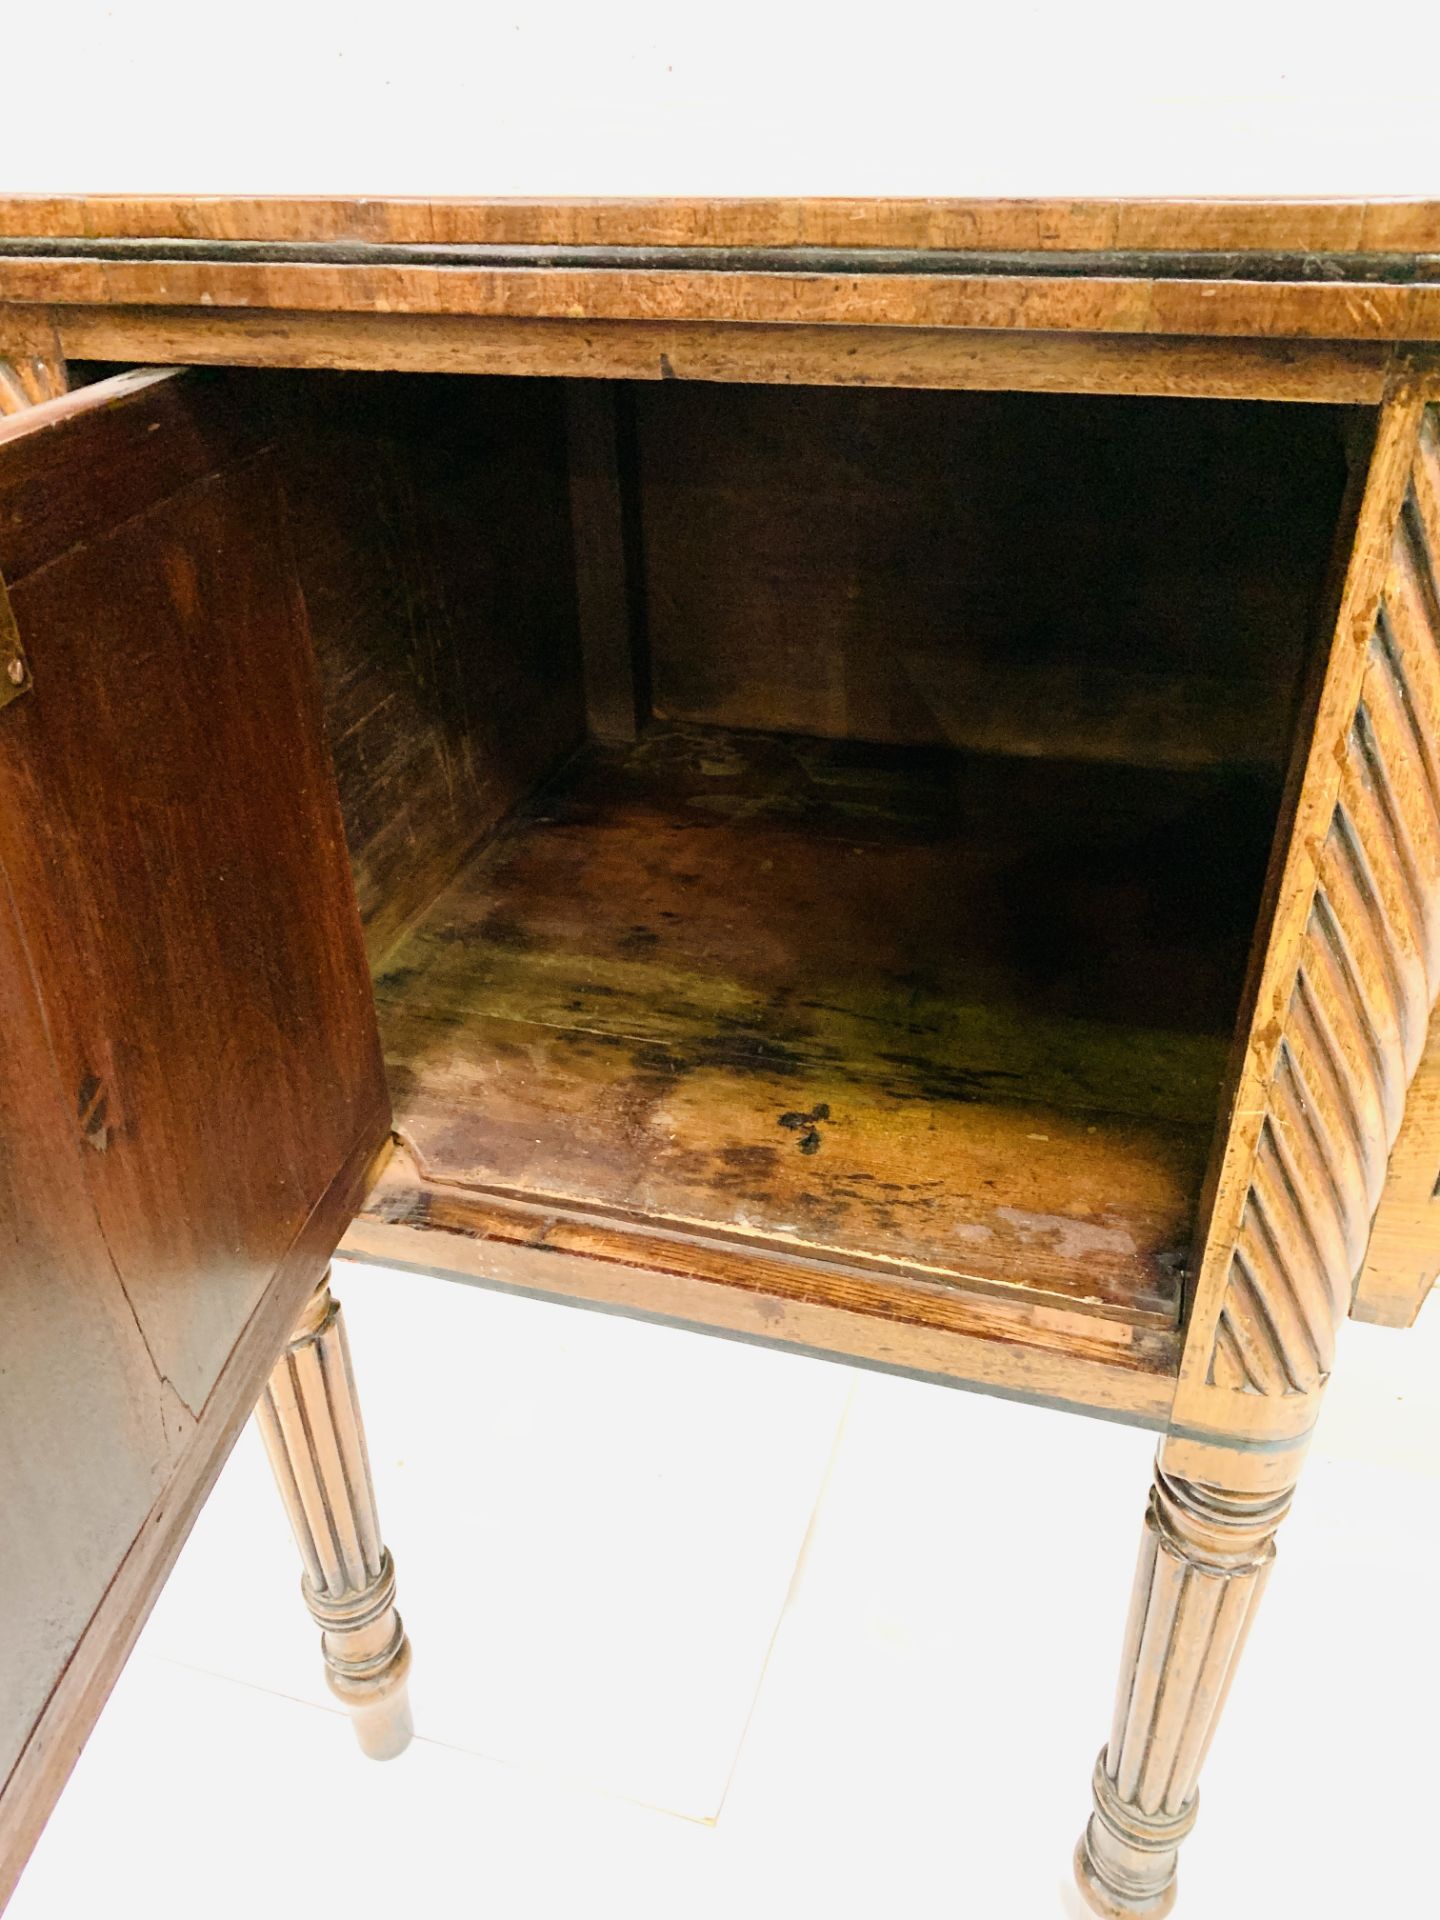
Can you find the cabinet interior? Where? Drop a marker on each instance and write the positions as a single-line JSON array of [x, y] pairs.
[[830, 823]]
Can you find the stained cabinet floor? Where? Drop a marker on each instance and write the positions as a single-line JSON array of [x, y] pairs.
[[959, 1016]]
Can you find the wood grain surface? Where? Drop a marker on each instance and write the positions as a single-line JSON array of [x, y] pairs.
[[1305, 225], [609, 571], [1341, 371], [430, 523], [32, 361], [193, 1085], [1098, 302], [1074, 578], [955, 1015], [1349, 967], [1055, 1353]]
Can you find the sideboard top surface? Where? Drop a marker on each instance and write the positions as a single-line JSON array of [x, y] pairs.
[[1309, 226], [1362, 272]]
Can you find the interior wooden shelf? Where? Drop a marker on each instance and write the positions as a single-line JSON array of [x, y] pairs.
[[961, 1019]]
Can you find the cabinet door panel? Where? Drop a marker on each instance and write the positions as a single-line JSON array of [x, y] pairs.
[[191, 1090]]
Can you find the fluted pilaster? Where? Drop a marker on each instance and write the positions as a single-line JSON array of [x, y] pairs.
[[29, 379], [1350, 981]]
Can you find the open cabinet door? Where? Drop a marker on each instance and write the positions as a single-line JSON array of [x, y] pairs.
[[191, 1092]]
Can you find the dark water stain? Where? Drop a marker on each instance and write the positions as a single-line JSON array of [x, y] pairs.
[[735, 1053], [923, 1079], [502, 929], [750, 1159], [661, 1060]]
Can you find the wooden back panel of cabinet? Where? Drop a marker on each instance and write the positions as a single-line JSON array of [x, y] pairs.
[[1057, 577], [190, 1086]]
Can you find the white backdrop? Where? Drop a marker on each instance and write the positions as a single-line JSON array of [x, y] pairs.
[[760, 96]]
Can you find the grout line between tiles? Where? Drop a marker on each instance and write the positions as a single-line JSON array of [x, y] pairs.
[[797, 1575], [540, 1775]]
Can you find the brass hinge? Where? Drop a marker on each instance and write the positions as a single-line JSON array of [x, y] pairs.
[[14, 668]]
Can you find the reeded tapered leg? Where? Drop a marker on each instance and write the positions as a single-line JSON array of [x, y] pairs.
[[1204, 1559], [310, 1420]]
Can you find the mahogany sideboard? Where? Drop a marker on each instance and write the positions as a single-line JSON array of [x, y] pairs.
[[859, 774]]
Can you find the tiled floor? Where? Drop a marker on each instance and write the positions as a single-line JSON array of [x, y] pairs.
[[704, 1631]]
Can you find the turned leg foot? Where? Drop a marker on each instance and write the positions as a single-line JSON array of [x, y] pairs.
[[310, 1420], [1204, 1559]]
